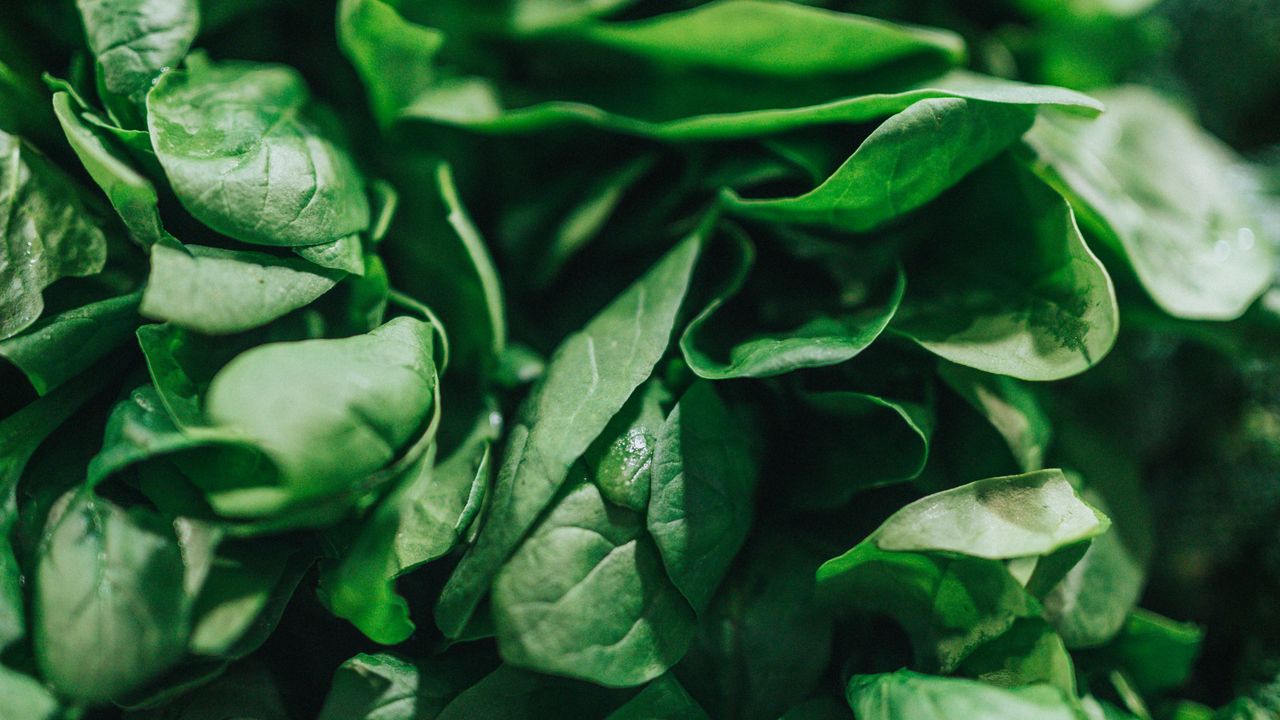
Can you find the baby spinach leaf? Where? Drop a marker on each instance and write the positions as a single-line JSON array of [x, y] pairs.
[[385, 687], [1156, 652], [1179, 219], [997, 518], [243, 598], [586, 595], [612, 355], [1039, 308], [620, 461], [26, 697], [905, 694], [377, 40], [45, 233], [700, 504], [110, 609], [136, 40], [183, 363], [57, 348], [907, 161], [218, 292], [1010, 407], [132, 195], [1030, 652], [509, 693], [252, 157], [327, 413], [823, 335]]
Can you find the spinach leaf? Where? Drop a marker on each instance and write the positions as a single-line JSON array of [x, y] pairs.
[[907, 161], [700, 503], [251, 156], [136, 40], [1039, 308], [219, 292], [1010, 407], [1178, 219], [26, 697], [131, 194], [59, 347], [110, 608], [45, 233], [835, 331], [905, 694], [613, 354]]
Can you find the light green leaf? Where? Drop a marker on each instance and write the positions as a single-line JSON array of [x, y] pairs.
[[997, 518], [345, 254], [395, 58], [132, 195], [329, 414], [1180, 218], [905, 695], [136, 40], [252, 157], [26, 698], [218, 292], [45, 233], [110, 609], [1014, 290], [587, 381]]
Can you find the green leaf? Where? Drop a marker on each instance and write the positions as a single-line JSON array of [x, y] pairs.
[[586, 596], [26, 698], [662, 699], [620, 461], [45, 233], [131, 194], [1030, 652], [327, 413], [219, 292], [1156, 653], [509, 693], [764, 642], [1014, 290], [701, 503], [997, 518], [907, 695], [1179, 219], [587, 381], [345, 254], [136, 40], [385, 687], [909, 160], [394, 57], [718, 346], [252, 157], [474, 103], [182, 364], [1010, 407], [948, 605], [110, 609], [437, 256], [57, 348], [243, 597]]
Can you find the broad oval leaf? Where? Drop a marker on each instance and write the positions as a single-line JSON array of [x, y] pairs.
[[326, 412], [58, 348], [136, 40], [906, 695], [997, 518], [218, 292], [45, 233], [252, 157], [586, 595], [110, 607], [587, 381], [1014, 289], [1179, 218]]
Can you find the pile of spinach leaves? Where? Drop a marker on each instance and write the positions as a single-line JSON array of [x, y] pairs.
[[411, 359]]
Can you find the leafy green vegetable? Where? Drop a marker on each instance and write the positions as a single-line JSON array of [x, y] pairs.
[[905, 694], [45, 233], [236, 136], [136, 40]]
